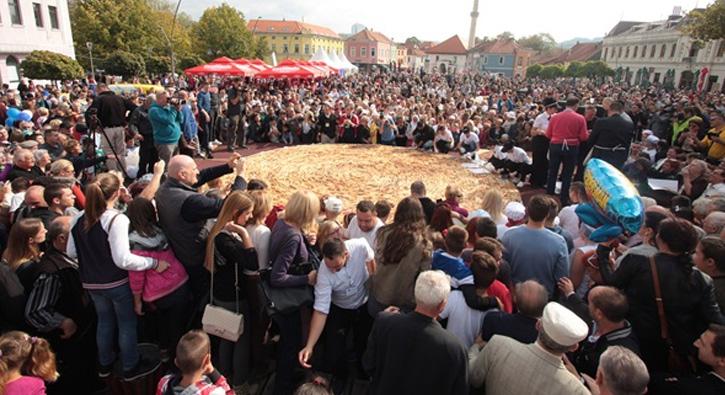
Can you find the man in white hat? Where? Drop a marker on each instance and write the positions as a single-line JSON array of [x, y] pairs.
[[506, 366]]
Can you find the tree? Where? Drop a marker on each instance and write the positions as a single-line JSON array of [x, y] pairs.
[[538, 42], [158, 64], [222, 31], [574, 69], [261, 49], [707, 24], [414, 41], [534, 71], [505, 36], [190, 61], [552, 71], [125, 64], [46, 65], [134, 26], [595, 68]]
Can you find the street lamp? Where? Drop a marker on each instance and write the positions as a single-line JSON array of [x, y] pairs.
[[89, 45], [171, 45]]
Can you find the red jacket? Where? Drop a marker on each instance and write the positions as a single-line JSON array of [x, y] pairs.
[[567, 126]]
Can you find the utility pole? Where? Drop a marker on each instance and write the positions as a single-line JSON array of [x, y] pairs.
[[171, 43]]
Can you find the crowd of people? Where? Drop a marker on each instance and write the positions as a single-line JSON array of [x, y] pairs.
[[100, 257]]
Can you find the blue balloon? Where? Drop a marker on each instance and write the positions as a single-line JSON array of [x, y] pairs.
[[614, 205], [9, 122], [13, 113], [24, 116]]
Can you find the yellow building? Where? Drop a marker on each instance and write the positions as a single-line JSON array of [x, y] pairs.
[[295, 40]]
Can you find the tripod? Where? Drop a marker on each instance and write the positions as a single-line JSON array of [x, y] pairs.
[[94, 124]]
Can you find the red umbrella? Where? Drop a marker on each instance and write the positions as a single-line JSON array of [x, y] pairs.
[[223, 59]]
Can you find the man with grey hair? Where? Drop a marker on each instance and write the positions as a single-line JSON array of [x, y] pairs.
[[412, 353], [141, 127], [24, 166], [530, 298], [621, 372], [714, 223], [503, 362]]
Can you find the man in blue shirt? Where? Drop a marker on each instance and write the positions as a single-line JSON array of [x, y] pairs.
[[204, 103], [534, 252]]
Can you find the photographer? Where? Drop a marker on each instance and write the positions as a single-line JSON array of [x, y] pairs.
[[714, 141], [165, 116], [111, 111]]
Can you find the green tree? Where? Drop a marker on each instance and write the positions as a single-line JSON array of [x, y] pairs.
[[534, 71], [538, 42], [506, 36], [222, 31], [158, 64], [552, 71], [595, 68], [707, 24], [46, 65], [412, 41], [132, 26], [574, 69], [261, 49], [189, 61], [125, 64]]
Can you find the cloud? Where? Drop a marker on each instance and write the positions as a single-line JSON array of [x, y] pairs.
[[438, 20]]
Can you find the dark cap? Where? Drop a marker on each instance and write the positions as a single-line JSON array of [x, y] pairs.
[[549, 102], [507, 146]]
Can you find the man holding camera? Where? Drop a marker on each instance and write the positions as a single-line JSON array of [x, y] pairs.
[[112, 112], [714, 141], [165, 117]]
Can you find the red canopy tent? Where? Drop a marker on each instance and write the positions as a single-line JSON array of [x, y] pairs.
[[324, 65], [289, 71], [305, 65], [231, 69], [249, 64]]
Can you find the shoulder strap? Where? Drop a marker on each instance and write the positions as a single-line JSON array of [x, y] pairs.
[[664, 329], [111, 222]]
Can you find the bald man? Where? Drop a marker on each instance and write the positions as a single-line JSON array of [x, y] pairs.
[[183, 211], [530, 298], [714, 223]]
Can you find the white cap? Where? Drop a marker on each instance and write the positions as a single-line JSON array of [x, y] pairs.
[[514, 211], [333, 204], [653, 139], [511, 115], [562, 325]]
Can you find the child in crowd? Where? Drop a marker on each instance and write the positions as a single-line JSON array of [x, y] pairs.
[[25, 364], [198, 375], [318, 386], [166, 295]]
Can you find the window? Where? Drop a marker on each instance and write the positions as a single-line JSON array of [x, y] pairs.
[[500, 60], [721, 49], [636, 51], [313, 48], [644, 51], [274, 37], [674, 49], [626, 53], [53, 11], [619, 53], [38, 13], [297, 48], [652, 51], [296, 38], [307, 49], [363, 51], [16, 18], [352, 51], [662, 51], [485, 59], [273, 47], [372, 52], [285, 48], [606, 52]]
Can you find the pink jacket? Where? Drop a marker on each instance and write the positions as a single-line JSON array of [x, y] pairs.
[[153, 285]]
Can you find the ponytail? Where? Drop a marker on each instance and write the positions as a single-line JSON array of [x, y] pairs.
[[31, 356], [98, 193]]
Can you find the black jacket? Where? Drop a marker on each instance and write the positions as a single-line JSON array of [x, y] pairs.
[[611, 132], [689, 301], [112, 109], [231, 259], [31, 174]]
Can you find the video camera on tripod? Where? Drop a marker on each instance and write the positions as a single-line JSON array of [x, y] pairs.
[[95, 127]]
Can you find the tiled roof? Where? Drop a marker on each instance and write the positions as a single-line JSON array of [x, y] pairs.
[[452, 46], [369, 35], [622, 27], [502, 46], [289, 27], [581, 52]]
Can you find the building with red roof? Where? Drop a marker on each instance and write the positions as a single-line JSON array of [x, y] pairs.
[[446, 57], [294, 39]]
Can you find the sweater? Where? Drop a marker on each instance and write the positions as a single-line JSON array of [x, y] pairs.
[[166, 122]]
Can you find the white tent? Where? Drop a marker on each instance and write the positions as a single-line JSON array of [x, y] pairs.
[[345, 64]]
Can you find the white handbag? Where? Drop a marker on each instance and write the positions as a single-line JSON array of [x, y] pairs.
[[220, 322]]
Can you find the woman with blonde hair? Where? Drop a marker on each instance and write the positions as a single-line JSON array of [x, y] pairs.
[[64, 168], [230, 254], [23, 251], [99, 240], [453, 199], [288, 249], [328, 230], [492, 203]]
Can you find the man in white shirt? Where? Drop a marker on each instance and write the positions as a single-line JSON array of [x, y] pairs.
[[340, 303], [468, 141], [540, 143], [365, 223]]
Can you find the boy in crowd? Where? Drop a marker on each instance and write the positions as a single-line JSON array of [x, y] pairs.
[[198, 376]]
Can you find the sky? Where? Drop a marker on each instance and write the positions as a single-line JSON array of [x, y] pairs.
[[438, 20]]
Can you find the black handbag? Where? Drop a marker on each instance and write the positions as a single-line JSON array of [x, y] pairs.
[[285, 300]]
